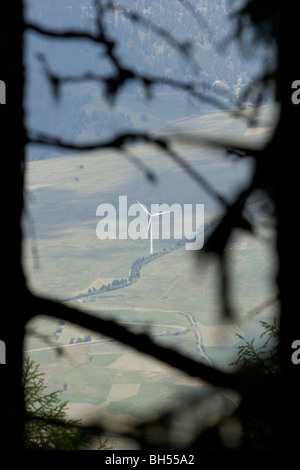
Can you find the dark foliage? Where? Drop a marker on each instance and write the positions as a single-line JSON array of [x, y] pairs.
[[270, 400]]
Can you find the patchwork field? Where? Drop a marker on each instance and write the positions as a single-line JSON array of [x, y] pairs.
[[176, 299]]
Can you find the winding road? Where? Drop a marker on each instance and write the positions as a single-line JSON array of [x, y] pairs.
[[179, 329]]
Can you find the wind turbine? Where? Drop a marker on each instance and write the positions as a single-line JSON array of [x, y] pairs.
[[150, 223]]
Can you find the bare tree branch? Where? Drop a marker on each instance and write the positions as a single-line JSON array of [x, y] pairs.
[[63, 34], [183, 47], [113, 82], [119, 143], [230, 146], [140, 342], [116, 142]]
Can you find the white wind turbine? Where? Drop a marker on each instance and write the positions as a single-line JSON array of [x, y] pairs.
[[150, 223]]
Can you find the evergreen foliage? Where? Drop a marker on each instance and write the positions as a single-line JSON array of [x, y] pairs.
[[258, 412], [264, 357], [47, 426]]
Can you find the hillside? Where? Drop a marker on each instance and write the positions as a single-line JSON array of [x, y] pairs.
[[82, 113], [175, 299]]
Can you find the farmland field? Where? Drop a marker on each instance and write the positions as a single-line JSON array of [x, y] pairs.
[[176, 298]]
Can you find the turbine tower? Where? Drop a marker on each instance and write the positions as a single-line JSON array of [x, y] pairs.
[[150, 223]]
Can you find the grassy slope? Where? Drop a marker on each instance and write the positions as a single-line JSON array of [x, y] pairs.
[[63, 195]]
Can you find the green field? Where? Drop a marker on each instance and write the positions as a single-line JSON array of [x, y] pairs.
[[176, 298]]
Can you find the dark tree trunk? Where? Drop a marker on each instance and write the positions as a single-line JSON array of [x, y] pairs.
[[281, 161], [13, 306], [285, 157]]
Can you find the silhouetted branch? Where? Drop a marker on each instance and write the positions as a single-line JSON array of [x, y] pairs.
[[114, 82], [263, 17], [183, 47], [198, 90], [63, 34], [264, 305], [119, 142], [140, 165], [140, 342], [191, 171], [216, 243], [233, 147], [233, 218]]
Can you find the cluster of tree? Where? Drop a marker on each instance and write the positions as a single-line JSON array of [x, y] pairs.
[[115, 284], [134, 272], [148, 51], [47, 426], [81, 113], [86, 339], [268, 398]]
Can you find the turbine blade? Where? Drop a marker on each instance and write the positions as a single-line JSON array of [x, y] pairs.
[[143, 207], [160, 213], [149, 225]]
